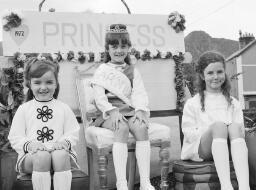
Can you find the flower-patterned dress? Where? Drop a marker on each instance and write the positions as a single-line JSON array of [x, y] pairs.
[[45, 122]]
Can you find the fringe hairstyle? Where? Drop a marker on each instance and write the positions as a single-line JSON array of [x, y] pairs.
[[37, 68], [204, 60], [113, 38]]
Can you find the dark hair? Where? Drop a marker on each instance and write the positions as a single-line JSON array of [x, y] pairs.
[[113, 36], [204, 60], [37, 68]]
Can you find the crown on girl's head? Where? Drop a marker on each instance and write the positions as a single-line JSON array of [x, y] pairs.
[[117, 28]]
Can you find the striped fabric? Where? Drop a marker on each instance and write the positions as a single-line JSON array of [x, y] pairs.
[[198, 175]]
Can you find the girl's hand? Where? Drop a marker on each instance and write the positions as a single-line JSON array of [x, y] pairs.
[[36, 146], [115, 118], [59, 146], [141, 116]]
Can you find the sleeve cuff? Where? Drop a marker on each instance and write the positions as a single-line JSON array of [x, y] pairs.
[[68, 143], [25, 146]]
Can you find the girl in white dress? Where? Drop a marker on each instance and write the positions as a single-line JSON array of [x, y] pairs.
[[121, 99], [211, 118], [44, 130]]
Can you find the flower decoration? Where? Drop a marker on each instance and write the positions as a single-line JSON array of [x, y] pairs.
[[179, 81], [91, 57], [81, 57], [102, 56], [177, 21], [45, 113], [70, 56], [157, 55], [146, 55], [41, 57], [135, 53], [45, 133], [11, 20], [59, 57]]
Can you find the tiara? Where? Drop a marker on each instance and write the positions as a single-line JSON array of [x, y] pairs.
[[117, 29]]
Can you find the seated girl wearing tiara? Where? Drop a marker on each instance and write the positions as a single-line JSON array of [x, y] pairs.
[[44, 130], [211, 118], [121, 98]]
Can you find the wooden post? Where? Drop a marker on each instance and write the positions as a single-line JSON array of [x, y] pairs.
[[164, 159], [102, 171]]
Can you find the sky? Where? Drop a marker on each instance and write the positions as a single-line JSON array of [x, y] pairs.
[[219, 18]]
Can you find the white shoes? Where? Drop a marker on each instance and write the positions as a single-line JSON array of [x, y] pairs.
[[122, 186], [147, 187]]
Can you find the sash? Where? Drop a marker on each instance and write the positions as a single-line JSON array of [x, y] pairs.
[[114, 81]]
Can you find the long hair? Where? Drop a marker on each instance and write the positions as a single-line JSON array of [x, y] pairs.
[[113, 38], [37, 68], [204, 60]]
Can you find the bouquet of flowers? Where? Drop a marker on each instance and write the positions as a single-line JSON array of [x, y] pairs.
[[11, 20], [177, 21]]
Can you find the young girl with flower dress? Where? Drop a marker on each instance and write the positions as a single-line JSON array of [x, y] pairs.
[[212, 119], [121, 98], [44, 130]]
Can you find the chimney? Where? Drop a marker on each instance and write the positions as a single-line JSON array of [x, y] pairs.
[[245, 39]]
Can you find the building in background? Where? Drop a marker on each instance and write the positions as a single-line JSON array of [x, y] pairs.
[[241, 67]]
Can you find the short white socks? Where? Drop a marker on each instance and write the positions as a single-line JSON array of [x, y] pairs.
[[220, 155], [239, 154], [62, 180], [120, 155], [41, 180]]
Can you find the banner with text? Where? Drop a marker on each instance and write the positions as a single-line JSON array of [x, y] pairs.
[[50, 32]]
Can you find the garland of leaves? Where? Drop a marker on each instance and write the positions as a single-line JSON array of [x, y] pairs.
[[82, 57], [179, 81], [12, 96]]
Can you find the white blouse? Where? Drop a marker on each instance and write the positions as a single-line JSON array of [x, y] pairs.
[[195, 122]]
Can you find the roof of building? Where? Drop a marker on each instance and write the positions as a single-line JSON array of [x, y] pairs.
[[240, 51]]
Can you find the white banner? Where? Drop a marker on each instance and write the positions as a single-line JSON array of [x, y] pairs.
[[50, 32]]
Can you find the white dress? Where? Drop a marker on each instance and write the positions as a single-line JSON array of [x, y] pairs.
[[45, 122], [195, 122]]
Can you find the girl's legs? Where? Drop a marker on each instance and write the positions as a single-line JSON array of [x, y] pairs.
[[120, 153], [142, 152], [62, 174], [239, 154], [214, 144], [39, 164]]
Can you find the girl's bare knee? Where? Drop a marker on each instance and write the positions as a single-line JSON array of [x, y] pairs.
[[60, 160], [42, 161], [219, 130], [140, 132], [235, 131], [122, 133]]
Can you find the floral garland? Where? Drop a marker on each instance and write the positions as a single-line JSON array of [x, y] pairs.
[[11, 97], [177, 21], [83, 57], [179, 81]]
